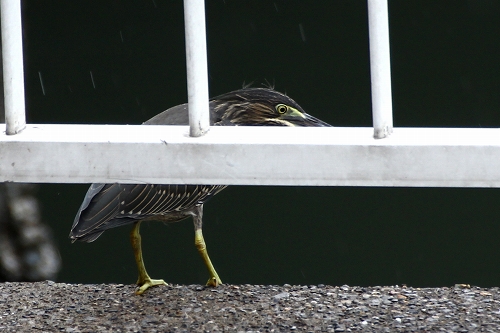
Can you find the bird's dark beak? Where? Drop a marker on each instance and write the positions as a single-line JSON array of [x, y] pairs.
[[308, 121]]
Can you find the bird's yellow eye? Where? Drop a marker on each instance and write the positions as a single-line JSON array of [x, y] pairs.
[[281, 108]]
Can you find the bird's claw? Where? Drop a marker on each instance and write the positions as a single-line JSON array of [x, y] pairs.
[[145, 284], [214, 281]]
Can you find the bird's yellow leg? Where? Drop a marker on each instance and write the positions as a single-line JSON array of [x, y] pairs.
[[144, 281], [199, 241]]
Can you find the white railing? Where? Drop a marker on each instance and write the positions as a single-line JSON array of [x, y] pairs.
[[242, 155], [252, 155], [196, 64], [13, 73], [380, 68]]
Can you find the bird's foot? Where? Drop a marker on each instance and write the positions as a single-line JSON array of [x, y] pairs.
[[214, 281], [144, 284]]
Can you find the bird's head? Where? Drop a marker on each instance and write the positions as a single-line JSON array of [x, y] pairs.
[[261, 106]]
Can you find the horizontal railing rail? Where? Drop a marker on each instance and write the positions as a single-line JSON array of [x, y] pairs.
[[437, 157]]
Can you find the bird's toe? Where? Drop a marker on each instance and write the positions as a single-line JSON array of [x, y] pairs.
[[145, 285], [214, 282]]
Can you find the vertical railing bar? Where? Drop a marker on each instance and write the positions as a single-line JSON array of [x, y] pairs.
[[196, 63], [380, 66], [13, 73]]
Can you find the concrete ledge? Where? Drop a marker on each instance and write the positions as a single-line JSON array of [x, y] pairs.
[[50, 307]]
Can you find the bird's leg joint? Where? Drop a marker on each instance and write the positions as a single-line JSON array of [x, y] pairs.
[[199, 241]]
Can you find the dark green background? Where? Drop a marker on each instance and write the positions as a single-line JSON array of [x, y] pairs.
[[445, 69]]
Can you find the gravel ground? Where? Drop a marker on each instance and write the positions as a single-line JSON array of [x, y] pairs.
[[50, 307]]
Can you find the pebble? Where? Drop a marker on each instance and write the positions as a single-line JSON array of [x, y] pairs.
[[51, 306]]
